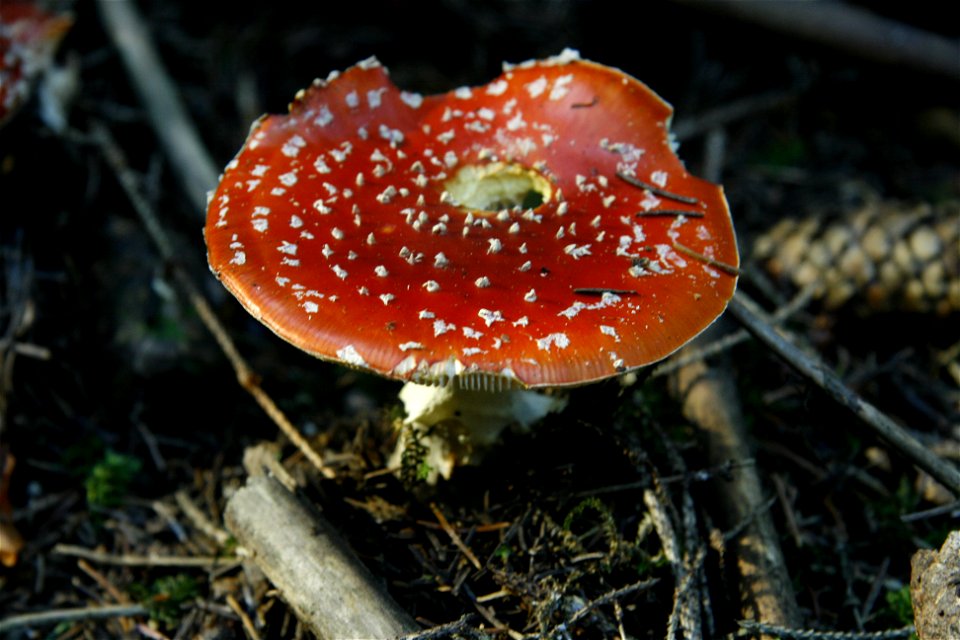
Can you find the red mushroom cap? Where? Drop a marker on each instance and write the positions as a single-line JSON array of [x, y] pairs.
[[381, 229], [28, 38]]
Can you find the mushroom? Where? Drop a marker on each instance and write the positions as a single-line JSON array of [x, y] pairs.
[[28, 38], [535, 232]]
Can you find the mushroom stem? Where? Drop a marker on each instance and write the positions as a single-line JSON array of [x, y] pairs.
[[457, 425]]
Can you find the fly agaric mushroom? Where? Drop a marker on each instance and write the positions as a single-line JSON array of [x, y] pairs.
[[28, 38], [534, 232]]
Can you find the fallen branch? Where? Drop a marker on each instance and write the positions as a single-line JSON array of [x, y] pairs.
[[332, 593], [749, 314], [57, 616], [699, 124], [851, 29], [178, 136], [245, 376], [710, 401], [132, 560]]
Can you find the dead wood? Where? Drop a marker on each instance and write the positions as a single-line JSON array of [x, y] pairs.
[[311, 565], [749, 314], [58, 616], [933, 590], [850, 29], [178, 136], [710, 401]]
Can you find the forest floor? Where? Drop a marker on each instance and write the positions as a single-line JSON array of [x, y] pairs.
[[129, 429]]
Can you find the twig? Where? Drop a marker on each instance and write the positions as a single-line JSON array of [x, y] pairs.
[[687, 603], [118, 596], [498, 626], [189, 159], [245, 620], [729, 269], [105, 584], [199, 519], [875, 585], [455, 537], [442, 630], [681, 614], [611, 596], [789, 514], [953, 509], [263, 459], [245, 375], [197, 173], [691, 126], [655, 190], [852, 29], [750, 627], [131, 560], [696, 353], [749, 314], [614, 596], [168, 513], [26, 349], [149, 632], [55, 616], [668, 213], [151, 441]]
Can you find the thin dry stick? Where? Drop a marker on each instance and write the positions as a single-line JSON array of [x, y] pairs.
[[729, 269], [751, 628], [455, 537], [952, 508], [851, 29], [698, 124], [498, 626], [611, 596], [670, 544], [200, 519], [189, 159], [26, 349], [56, 616], [750, 315], [131, 560], [248, 380], [118, 596], [245, 620], [461, 626], [196, 172], [691, 355], [562, 629]]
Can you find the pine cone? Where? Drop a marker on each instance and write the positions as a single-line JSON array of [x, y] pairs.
[[883, 256]]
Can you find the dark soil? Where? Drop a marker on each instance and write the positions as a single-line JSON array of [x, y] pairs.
[[127, 400]]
